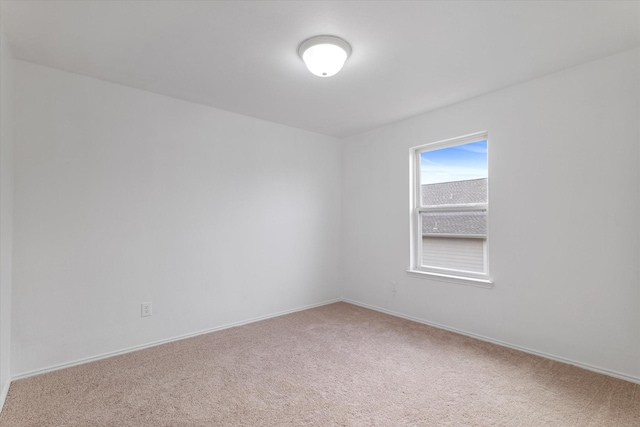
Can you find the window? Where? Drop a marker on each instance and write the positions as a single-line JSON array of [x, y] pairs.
[[449, 209]]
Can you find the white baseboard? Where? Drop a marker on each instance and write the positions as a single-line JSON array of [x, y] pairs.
[[3, 395], [608, 372], [164, 341]]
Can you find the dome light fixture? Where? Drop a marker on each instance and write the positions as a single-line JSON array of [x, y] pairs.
[[324, 55]]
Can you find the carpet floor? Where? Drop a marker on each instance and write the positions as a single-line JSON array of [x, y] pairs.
[[336, 365]]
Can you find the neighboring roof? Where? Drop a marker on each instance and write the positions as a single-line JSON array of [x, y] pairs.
[[460, 223], [463, 224], [455, 193]]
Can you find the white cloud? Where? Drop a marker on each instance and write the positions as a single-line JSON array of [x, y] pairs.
[[472, 148], [434, 174]]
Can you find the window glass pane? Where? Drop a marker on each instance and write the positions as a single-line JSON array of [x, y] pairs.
[[454, 240], [453, 204], [454, 175]]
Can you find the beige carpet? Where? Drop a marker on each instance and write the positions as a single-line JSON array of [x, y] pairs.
[[334, 365]]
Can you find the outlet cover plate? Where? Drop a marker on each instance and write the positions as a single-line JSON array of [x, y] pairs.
[[145, 309]]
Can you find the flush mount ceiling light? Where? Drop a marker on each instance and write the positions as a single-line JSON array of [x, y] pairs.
[[324, 55]]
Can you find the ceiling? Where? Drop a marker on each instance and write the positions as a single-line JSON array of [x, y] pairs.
[[241, 56]]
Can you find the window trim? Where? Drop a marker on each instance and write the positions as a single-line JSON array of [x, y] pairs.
[[436, 273]]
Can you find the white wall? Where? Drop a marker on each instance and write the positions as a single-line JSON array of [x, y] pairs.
[[124, 196], [563, 229], [6, 210]]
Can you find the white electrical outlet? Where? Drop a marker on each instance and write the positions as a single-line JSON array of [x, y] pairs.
[[146, 309]]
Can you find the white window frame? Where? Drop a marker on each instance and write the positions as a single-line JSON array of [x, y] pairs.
[[416, 268]]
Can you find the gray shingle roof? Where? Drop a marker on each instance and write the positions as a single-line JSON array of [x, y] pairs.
[[459, 223], [463, 224], [454, 193]]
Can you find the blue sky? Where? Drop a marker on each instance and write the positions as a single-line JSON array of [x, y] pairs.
[[468, 161]]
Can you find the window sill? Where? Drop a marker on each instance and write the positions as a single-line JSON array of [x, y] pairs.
[[460, 280]]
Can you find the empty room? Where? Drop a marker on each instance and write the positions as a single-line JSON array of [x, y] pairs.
[[319, 213]]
